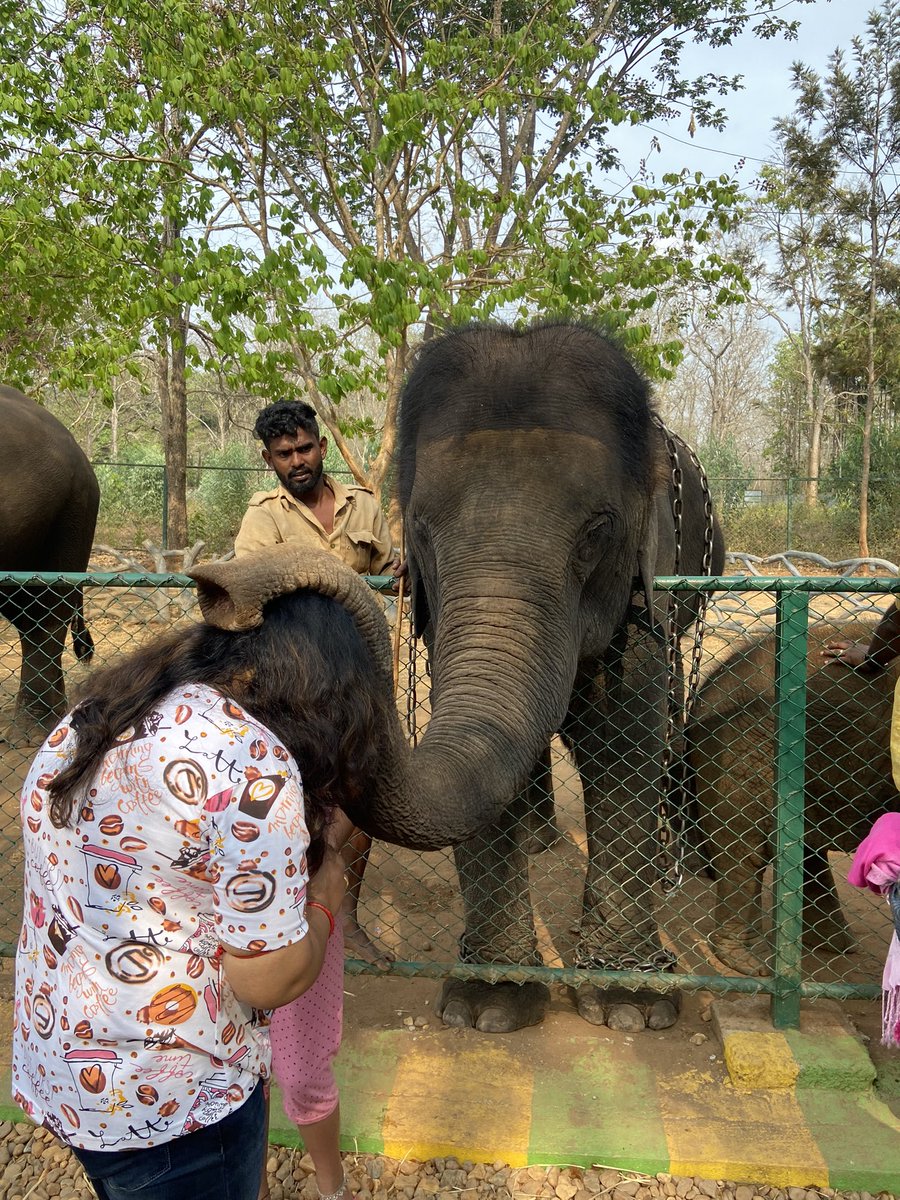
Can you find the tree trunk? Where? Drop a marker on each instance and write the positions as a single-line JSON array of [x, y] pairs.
[[866, 459], [173, 408], [869, 412], [175, 435], [815, 405]]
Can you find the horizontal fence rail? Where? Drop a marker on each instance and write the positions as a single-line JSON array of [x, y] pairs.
[[772, 792]]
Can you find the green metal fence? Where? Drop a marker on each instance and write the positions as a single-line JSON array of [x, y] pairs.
[[777, 761]]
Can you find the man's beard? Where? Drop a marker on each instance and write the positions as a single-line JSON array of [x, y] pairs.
[[300, 487]]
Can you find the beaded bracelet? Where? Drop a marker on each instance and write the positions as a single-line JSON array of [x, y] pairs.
[[327, 911]]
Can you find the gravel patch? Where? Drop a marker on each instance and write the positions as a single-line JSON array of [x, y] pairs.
[[35, 1166]]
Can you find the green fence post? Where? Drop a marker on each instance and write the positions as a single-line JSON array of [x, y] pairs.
[[792, 611]]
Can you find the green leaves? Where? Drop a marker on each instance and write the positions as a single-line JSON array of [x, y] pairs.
[[309, 188]]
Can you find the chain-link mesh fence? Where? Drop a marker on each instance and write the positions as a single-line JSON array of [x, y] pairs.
[[786, 763]]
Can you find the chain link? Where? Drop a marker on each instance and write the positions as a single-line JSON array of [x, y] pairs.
[[670, 860]]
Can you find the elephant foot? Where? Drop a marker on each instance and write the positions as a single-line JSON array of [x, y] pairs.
[[492, 1007], [626, 1011], [747, 955], [23, 731]]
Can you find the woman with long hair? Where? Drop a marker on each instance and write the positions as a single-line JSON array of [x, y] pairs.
[[178, 883]]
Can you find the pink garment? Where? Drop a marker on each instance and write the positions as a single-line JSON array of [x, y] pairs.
[[879, 848], [306, 1036], [876, 865]]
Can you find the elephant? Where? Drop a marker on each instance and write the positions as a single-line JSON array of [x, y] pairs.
[[730, 750], [538, 497], [47, 519]]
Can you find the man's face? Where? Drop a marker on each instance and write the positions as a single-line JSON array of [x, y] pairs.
[[297, 460]]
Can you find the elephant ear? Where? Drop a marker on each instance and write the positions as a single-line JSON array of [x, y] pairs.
[[418, 601], [232, 595]]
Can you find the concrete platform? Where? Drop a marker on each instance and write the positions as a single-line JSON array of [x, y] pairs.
[[564, 1093]]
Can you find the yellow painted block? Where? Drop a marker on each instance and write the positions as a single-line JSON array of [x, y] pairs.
[[473, 1102], [760, 1060], [758, 1136]]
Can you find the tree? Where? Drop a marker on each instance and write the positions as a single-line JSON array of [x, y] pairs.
[[453, 160], [715, 395], [804, 247], [275, 192], [842, 145], [112, 228]]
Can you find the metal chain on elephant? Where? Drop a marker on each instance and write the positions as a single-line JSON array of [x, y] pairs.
[[671, 856]]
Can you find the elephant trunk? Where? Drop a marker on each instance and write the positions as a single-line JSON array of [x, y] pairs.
[[482, 739], [468, 765]]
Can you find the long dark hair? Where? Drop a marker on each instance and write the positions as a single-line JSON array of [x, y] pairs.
[[305, 673]]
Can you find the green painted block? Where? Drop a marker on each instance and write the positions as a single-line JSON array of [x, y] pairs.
[[12, 1112], [887, 1070], [837, 1062], [858, 1137], [365, 1069], [282, 1130], [600, 1107]]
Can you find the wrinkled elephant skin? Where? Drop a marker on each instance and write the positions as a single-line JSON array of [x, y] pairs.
[[49, 498], [731, 754], [537, 501]]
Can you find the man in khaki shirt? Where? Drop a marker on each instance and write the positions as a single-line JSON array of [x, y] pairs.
[[309, 504], [347, 521]]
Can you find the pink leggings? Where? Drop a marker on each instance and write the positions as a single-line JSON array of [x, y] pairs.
[[306, 1035]]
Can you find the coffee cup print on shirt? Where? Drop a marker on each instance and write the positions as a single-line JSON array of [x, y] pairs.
[[94, 1073], [259, 795], [109, 874], [59, 932], [210, 1104]]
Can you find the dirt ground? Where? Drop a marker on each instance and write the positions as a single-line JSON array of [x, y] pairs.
[[411, 901]]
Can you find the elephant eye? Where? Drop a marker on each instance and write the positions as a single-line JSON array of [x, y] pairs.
[[420, 531], [594, 537]]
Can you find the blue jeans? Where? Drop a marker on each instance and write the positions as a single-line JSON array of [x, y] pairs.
[[221, 1162]]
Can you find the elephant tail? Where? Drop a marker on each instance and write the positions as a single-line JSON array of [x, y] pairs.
[[82, 641]]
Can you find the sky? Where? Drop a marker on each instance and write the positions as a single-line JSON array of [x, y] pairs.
[[824, 26]]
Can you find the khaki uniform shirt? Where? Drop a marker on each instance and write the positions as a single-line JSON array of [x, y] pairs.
[[360, 536]]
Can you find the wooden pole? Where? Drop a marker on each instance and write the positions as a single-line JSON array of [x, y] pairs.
[[398, 623]]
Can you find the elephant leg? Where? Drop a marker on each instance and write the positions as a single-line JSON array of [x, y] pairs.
[[620, 760], [737, 920], [41, 620], [824, 925], [493, 876], [733, 784], [542, 831]]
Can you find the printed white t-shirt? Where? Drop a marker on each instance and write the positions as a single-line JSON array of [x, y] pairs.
[[126, 1032]]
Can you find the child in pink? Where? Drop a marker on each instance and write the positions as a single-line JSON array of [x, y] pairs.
[[306, 1036], [876, 865]]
